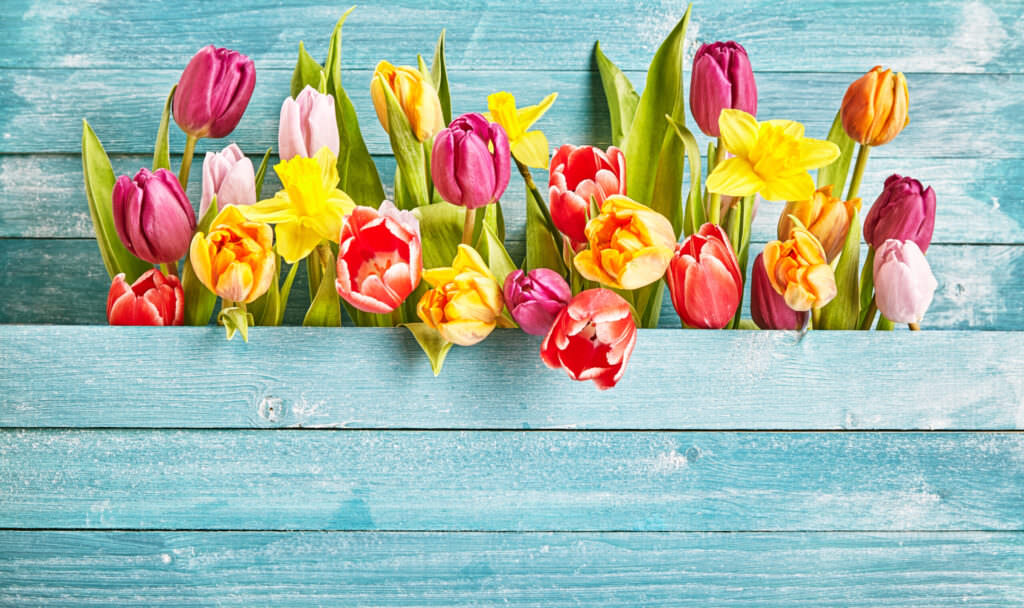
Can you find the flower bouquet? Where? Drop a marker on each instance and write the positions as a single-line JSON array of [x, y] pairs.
[[602, 241]]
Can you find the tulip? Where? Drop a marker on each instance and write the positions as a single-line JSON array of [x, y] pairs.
[[721, 79], [592, 338], [768, 307], [415, 94], [465, 302], [874, 109], [828, 218], [236, 260], [630, 245], [577, 176], [704, 279], [152, 216], [904, 283], [379, 258], [905, 211], [229, 176], [213, 92], [153, 299], [535, 299], [307, 124], [798, 270], [470, 164]]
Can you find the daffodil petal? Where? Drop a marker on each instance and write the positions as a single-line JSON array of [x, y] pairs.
[[271, 210], [735, 177], [532, 150], [739, 131], [789, 127], [795, 187], [502, 110], [530, 114], [294, 241], [818, 153]]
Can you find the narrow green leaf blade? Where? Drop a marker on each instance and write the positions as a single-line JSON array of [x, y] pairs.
[[262, 173], [199, 301], [325, 310], [409, 155], [542, 250], [307, 72], [694, 216], [494, 254], [439, 74], [667, 196], [837, 172], [621, 96], [843, 311], [432, 344], [162, 149]]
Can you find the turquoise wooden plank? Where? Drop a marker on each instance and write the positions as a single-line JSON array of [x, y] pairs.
[[980, 200], [777, 381], [934, 36], [124, 108], [70, 569], [515, 481]]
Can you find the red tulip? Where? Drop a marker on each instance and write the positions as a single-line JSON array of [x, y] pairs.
[[154, 299], [577, 175], [592, 338], [704, 279]]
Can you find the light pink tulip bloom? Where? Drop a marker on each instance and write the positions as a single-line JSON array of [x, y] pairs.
[[307, 124], [904, 283], [229, 176]]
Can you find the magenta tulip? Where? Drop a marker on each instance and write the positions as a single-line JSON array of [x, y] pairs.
[[767, 306], [229, 176], [905, 211], [721, 79], [307, 124], [704, 279], [904, 283], [534, 299], [470, 164], [152, 216], [213, 92]]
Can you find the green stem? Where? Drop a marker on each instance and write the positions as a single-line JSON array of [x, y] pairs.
[[815, 318], [467, 228], [715, 204], [869, 316], [186, 160], [858, 171], [170, 269], [428, 148]]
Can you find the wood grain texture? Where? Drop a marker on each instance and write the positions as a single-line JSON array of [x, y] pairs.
[[71, 569], [492, 481], [927, 380]]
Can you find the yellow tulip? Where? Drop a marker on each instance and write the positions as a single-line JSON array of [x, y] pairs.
[[309, 208], [528, 147], [415, 94], [798, 270], [236, 260], [828, 218], [465, 302], [630, 245], [771, 158]]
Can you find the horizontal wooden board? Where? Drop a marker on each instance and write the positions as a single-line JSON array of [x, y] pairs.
[[70, 569], [767, 380], [938, 35]]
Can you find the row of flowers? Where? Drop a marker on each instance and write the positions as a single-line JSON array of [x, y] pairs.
[[598, 250]]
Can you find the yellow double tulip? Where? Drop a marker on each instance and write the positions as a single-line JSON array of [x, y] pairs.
[[236, 259], [630, 245], [798, 270], [465, 303], [825, 216]]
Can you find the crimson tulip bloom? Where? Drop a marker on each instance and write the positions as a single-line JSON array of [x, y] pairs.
[[767, 306], [904, 211], [471, 162], [154, 299], [592, 338], [153, 217], [536, 298], [722, 78], [213, 92], [704, 279], [579, 174]]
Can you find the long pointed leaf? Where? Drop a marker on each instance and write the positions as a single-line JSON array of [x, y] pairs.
[[307, 72], [542, 249], [199, 301], [621, 96], [494, 254], [843, 312], [162, 149], [432, 344], [325, 309], [439, 74], [694, 216], [409, 155], [837, 172], [261, 173]]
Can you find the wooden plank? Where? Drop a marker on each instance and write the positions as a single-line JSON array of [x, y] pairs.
[[934, 36], [32, 122], [901, 383], [515, 481], [71, 569]]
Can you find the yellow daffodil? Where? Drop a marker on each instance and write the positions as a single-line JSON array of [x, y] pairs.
[[771, 158], [529, 147], [309, 209]]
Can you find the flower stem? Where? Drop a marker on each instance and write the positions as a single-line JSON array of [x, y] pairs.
[[858, 171], [186, 160], [914, 326], [467, 228], [869, 316], [528, 180], [170, 269], [715, 203], [815, 318]]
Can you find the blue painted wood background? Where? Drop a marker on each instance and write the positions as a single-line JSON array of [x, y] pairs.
[[146, 467]]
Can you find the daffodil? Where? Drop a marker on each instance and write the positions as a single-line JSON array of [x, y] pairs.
[[771, 158], [529, 147], [309, 208]]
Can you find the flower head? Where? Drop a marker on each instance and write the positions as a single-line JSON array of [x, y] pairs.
[[704, 279], [904, 283], [798, 270], [415, 94], [579, 174], [153, 217], [630, 245], [465, 302], [153, 299], [470, 162], [213, 92], [721, 78], [534, 299], [826, 216], [229, 176], [528, 147], [236, 259], [307, 124], [874, 109], [905, 211]]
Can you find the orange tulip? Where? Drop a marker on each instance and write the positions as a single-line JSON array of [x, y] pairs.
[[236, 260], [630, 245], [826, 216], [798, 270], [415, 94], [874, 110]]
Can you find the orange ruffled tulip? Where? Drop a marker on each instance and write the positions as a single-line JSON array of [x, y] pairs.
[[466, 301], [797, 270], [630, 245], [874, 109], [415, 94], [826, 216], [236, 260]]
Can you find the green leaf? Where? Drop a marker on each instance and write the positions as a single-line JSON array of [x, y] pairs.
[[408, 155], [439, 74], [235, 318], [542, 249], [162, 150], [837, 172], [264, 309], [843, 312], [421, 65], [262, 173], [199, 301], [440, 232], [694, 216], [620, 94], [307, 72], [867, 285], [99, 186], [494, 254], [285, 290], [432, 343], [662, 94], [884, 324], [667, 196], [325, 310], [648, 303]]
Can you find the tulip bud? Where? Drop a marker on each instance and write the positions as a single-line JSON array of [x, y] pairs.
[[722, 78], [471, 162], [213, 92], [704, 279], [379, 258], [535, 299], [630, 245], [798, 270], [827, 217], [905, 211], [152, 216], [236, 260], [153, 299], [415, 94], [307, 124], [768, 307], [465, 302], [229, 176], [579, 175], [874, 109], [904, 283]]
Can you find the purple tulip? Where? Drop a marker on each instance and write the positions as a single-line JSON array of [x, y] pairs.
[[905, 211], [767, 306], [229, 176], [904, 283], [152, 216], [213, 92], [470, 164], [721, 79], [535, 299], [307, 124]]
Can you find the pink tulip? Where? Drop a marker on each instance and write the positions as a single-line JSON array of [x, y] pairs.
[[213, 92], [704, 279], [577, 176], [229, 176], [470, 164], [154, 299], [152, 216], [307, 124], [721, 79], [535, 299], [767, 306], [904, 283]]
